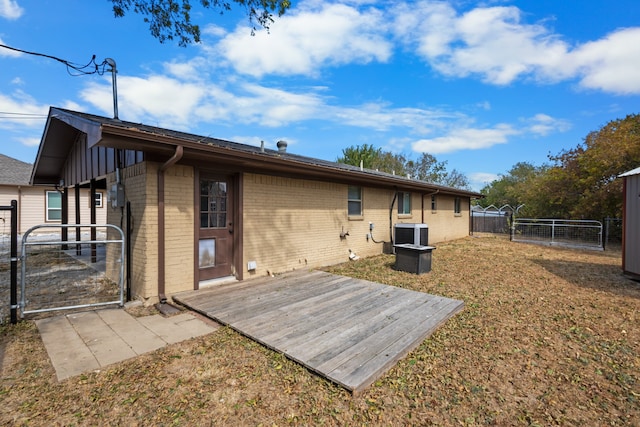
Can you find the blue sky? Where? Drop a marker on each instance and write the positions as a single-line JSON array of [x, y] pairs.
[[480, 85]]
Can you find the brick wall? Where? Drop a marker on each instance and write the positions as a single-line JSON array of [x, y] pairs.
[[179, 229], [288, 224], [293, 223], [141, 189], [140, 184]]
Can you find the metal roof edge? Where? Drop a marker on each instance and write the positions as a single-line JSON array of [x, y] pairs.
[[102, 126], [635, 171]]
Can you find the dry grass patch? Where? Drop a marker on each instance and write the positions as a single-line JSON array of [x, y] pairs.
[[548, 336]]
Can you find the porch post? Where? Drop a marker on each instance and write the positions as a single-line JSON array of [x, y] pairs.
[[78, 237]]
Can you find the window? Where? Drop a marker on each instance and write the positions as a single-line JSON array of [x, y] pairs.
[[354, 201], [456, 205], [98, 200], [404, 203], [53, 206], [434, 205], [213, 204]]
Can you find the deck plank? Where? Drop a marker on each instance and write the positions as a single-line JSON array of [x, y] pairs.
[[348, 330]]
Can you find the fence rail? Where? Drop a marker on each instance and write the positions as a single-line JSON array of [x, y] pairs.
[[571, 233], [69, 274]]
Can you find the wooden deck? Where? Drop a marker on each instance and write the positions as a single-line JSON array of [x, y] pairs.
[[347, 330]]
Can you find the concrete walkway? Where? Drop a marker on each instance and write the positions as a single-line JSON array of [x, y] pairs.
[[87, 341]]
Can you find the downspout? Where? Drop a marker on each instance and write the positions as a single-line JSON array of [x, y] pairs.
[[172, 161], [395, 196]]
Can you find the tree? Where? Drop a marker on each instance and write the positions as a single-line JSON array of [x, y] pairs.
[[588, 174], [169, 19], [360, 155], [512, 188], [582, 183], [426, 168]]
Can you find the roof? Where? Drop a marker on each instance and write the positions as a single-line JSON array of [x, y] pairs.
[[13, 171], [160, 144], [635, 171]]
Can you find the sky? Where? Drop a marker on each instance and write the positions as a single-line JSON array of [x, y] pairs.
[[479, 85]]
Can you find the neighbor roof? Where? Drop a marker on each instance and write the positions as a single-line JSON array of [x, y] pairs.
[[13, 171], [160, 144]]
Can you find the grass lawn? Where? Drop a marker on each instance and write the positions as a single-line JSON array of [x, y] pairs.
[[548, 336]]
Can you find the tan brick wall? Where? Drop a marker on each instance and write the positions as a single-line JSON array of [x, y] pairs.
[[179, 230], [288, 224], [141, 184], [443, 223], [293, 223]]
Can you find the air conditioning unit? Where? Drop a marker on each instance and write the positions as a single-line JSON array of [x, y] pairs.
[[411, 234]]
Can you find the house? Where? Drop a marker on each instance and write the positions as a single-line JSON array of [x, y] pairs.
[[37, 204], [204, 209], [631, 223]]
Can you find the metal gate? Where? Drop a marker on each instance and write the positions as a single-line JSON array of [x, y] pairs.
[[86, 270], [12, 251], [583, 234]]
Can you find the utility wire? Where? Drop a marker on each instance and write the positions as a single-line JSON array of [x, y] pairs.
[[81, 69]]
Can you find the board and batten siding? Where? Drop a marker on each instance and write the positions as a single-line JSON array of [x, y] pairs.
[[631, 226]]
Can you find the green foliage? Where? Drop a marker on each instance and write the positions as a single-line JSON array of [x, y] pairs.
[[425, 168], [582, 183], [169, 19]]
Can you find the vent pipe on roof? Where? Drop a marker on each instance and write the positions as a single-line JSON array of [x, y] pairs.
[[282, 145], [113, 70]]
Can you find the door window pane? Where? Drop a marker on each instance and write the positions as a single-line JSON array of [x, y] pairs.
[[213, 204]]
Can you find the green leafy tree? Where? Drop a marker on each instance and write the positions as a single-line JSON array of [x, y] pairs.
[[169, 19], [425, 168], [587, 176], [581, 183], [512, 188], [355, 154]]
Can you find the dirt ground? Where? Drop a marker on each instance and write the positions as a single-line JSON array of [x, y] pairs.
[[548, 336]]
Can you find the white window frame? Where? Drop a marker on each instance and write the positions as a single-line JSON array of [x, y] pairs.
[[49, 209], [352, 201], [404, 203], [99, 199]]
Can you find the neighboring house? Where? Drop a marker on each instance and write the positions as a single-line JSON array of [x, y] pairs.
[[631, 223], [36, 204], [204, 209]]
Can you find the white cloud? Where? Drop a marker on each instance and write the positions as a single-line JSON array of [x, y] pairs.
[[10, 9], [480, 179], [610, 64], [29, 114], [167, 100], [8, 52], [495, 44], [29, 142], [182, 103], [490, 42], [308, 38], [543, 125], [466, 139]]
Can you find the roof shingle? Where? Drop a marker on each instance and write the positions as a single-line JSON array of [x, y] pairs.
[[13, 171]]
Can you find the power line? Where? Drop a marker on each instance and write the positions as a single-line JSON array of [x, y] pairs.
[[21, 116], [92, 65]]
